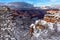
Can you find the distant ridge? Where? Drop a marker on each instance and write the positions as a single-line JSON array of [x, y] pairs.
[[27, 6], [1, 4], [19, 5]]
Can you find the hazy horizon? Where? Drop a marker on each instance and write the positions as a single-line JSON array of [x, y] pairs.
[[36, 3]]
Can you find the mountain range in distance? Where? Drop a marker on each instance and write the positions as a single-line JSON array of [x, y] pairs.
[[23, 5]]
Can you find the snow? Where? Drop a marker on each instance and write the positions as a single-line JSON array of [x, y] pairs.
[[50, 25], [46, 34], [32, 25], [58, 27], [16, 30]]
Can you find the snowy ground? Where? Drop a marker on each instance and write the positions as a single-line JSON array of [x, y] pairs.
[[19, 30]]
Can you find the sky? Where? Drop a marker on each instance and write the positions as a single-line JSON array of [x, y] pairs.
[[35, 2]]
